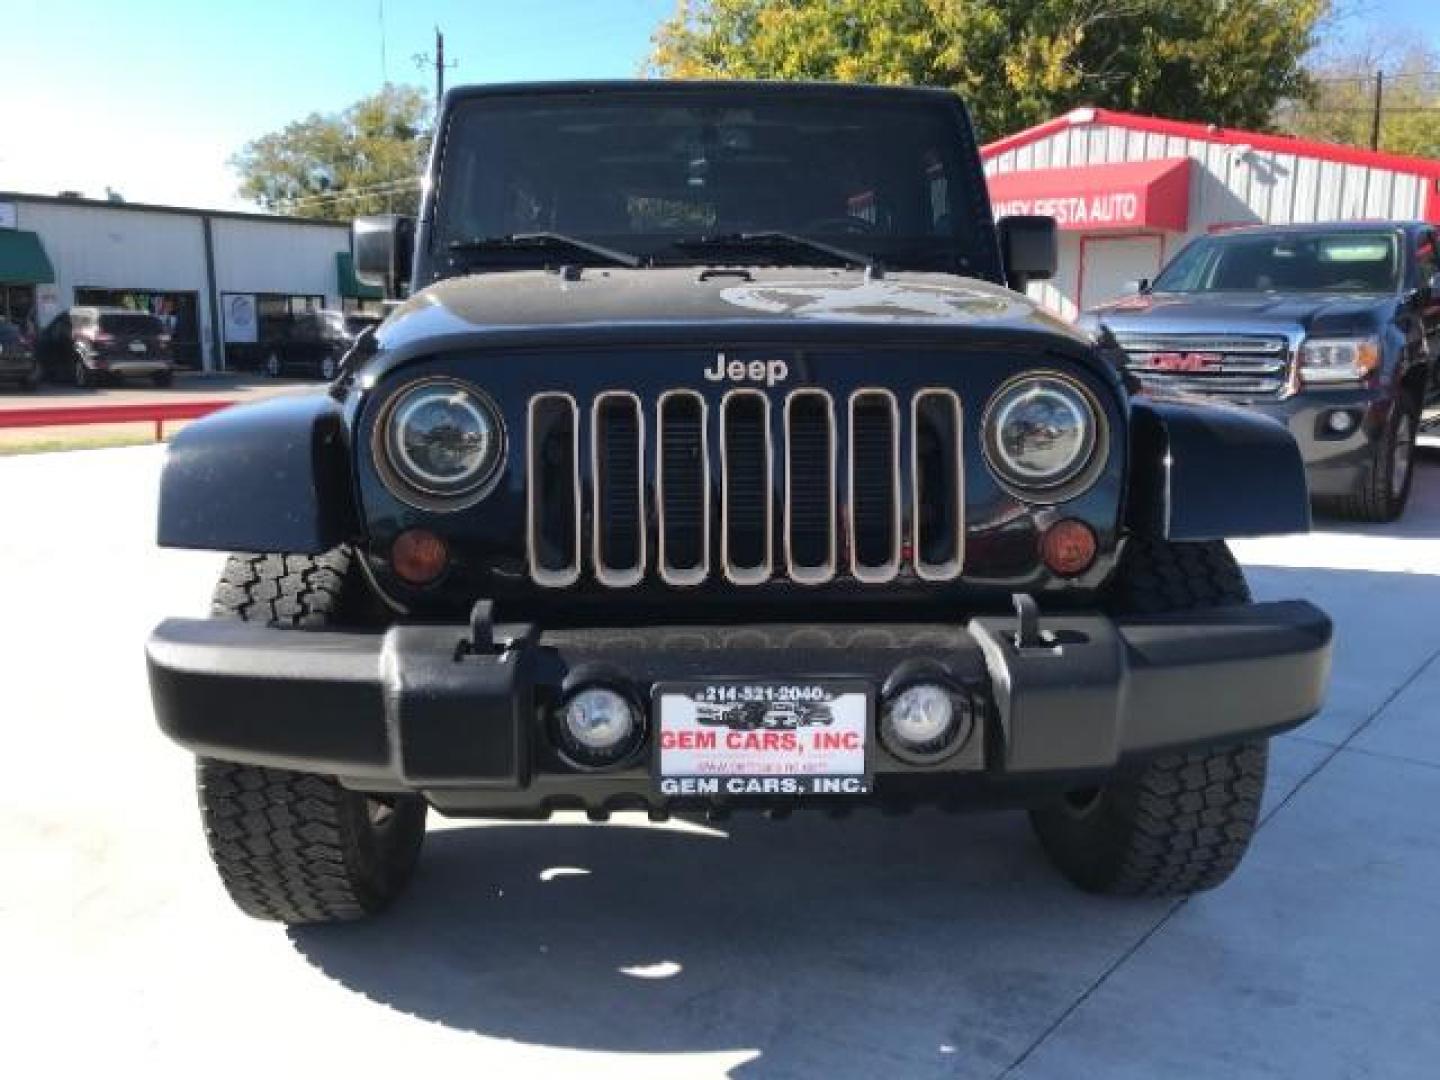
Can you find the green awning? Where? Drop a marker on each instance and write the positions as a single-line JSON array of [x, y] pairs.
[[23, 260], [350, 285]]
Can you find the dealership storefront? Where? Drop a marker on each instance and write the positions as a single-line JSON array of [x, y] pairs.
[[1127, 191], [190, 267]]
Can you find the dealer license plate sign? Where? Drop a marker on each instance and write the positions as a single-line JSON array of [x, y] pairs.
[[763, 738]]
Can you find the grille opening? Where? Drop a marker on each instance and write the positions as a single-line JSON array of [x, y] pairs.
[[810, 488], [874, 485], [554, 478], [619, 506], [939, 484], [745, 420], [683, 483]]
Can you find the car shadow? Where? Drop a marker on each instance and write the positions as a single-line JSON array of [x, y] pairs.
[[834, 948]]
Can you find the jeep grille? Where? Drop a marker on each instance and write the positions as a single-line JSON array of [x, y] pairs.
[[747, 488]]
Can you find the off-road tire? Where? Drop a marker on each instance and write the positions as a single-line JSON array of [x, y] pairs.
[[290, 846], [1183, 822], [1377, 499]]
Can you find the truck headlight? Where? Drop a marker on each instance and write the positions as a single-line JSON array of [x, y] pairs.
[[1339, 360], [441, 440], [1040, 434]]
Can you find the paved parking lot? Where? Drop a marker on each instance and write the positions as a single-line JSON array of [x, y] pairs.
[[915, 947]]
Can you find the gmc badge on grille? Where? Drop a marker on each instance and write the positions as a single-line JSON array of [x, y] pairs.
[[768, 372]]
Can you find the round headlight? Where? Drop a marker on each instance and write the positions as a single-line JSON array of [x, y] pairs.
[[1040, 433], [442, 439]]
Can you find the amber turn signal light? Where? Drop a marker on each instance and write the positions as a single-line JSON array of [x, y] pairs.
[[1068, 547], [419, 556]]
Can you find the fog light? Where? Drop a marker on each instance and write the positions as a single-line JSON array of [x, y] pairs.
[[922, 723], [419, 556], [598, 727], [1068, 547], [1340, 422]]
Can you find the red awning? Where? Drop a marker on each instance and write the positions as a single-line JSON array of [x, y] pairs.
[[1099, 198]]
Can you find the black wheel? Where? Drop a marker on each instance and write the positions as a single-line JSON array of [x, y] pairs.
[[84, 377], [1182, 823], [1385, 489], [290, 846], [162, 379]]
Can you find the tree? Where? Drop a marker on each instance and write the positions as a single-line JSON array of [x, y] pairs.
[[366, 159], [1227, 62], [1343, 107]]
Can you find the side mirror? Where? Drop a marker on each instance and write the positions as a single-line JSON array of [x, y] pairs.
[[1138, 287], [384, 250], [1029, 245]]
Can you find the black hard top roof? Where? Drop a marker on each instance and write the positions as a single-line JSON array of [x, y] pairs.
[[738, 88]]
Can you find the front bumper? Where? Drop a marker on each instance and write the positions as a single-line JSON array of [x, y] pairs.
[[412, 709], [1334, 464]]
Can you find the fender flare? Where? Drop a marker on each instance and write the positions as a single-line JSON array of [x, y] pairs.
[[273, 476], [1206, 472]]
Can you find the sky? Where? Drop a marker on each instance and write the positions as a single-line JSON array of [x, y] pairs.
[[153, 97]]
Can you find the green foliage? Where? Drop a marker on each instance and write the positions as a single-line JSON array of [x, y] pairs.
[[1343, 109], [1223, 61], [366, 159]]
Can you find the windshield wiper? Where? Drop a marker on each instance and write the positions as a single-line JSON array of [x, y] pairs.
[[549, 240], [773, 238]]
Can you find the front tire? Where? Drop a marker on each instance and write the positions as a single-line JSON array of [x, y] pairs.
[[1183, 823], [1384, 491], [290, 846], [84, 377]]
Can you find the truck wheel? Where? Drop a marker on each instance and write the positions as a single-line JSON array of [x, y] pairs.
[[1385, 489], [1183, 823], [84, 377], [290, 846]]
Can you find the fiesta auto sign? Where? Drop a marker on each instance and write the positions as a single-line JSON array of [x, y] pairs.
[[1096, 211], [1094, 198]]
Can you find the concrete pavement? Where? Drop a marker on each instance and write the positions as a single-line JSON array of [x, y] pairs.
[[925, 946]]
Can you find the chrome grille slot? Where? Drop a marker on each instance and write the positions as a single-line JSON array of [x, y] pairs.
[[553, 495], [745, 497], [809, 487], [617, 431], [682, 482], [938, 476], [874, 461]]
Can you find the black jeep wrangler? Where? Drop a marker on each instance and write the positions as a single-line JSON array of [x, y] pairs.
[[723, 399]]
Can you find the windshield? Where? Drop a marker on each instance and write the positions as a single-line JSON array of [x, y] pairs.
[[1348, 262], [127, 323], [639, 173]]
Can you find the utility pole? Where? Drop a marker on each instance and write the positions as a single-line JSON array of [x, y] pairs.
[[1379, 105], [423, 60]]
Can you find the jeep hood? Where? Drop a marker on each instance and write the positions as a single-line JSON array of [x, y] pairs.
[[1242, 312], [688, 302]]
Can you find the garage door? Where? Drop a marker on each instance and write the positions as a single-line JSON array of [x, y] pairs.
[[1109, 263]]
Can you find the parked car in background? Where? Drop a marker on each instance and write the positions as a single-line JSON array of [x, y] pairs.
[[1332, 329], [17, 358], [86, 345], [309, 344]]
